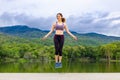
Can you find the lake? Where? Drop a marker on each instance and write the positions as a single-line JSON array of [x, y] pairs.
[[48, 67]]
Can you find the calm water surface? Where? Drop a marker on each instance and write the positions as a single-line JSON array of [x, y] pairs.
[[72, 67]]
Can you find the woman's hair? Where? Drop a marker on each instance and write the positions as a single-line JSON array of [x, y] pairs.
[[63, 19]]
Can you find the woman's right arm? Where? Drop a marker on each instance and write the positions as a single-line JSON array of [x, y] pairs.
[[52, 29]]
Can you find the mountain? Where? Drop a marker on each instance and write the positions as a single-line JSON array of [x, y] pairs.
[[22, 31], [17, 29], [96, 35], [26, 32]]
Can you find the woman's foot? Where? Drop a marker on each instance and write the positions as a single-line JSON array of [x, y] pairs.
[[56, 65], [60, 65]]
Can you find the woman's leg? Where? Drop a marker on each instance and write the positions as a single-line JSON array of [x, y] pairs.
[[56, 58], [61, 47], [60, 59], [56, 45]]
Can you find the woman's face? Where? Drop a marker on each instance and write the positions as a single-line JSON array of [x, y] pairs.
[[59, 17]]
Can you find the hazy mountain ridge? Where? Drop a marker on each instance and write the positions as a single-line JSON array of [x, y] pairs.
[[24, 31]]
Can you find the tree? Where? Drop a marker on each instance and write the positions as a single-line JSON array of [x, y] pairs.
[[109, 50]]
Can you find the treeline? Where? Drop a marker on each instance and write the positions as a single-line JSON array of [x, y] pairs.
[[21, 48], [29, 50]]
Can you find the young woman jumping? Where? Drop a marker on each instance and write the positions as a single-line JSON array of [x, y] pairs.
[[59, 27]]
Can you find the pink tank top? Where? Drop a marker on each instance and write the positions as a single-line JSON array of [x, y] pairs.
[[59, 27]]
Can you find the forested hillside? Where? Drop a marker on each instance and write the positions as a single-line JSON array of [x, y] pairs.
[[25, 43], [88, 39]]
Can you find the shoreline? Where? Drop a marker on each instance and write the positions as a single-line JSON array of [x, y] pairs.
[[23, 60]]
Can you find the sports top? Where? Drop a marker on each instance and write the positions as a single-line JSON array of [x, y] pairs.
[[59, 27]]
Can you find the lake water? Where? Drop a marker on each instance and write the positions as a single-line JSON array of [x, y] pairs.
[[48, 67]]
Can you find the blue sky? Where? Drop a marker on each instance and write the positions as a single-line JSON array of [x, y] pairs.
[[83, 16]]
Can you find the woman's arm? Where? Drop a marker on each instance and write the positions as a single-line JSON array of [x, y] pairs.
[[67, 30], [52, 29]]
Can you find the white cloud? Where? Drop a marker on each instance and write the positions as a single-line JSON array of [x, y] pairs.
[[51, 7], [90, 22], [82, 15]]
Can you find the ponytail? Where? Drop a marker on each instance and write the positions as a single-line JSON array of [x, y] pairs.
[[63, 20]]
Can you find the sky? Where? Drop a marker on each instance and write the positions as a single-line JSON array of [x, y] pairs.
[[83, 16]]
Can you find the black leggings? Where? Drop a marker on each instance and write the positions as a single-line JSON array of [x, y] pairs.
[[58, 43]]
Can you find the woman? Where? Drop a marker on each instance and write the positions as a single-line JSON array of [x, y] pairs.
[[59, 27]]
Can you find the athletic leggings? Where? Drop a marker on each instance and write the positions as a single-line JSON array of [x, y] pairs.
[[58, 43]]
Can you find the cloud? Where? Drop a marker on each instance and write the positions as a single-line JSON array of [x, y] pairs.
[[51, 7], [82, 15], [99, 22], [7, 19]]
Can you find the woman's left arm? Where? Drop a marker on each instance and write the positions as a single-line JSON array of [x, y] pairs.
[[67, 30]]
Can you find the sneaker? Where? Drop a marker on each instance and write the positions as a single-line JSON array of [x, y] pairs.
[[60, 65], [56, 65]]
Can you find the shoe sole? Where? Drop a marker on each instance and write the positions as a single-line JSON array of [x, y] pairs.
[[59, 67]]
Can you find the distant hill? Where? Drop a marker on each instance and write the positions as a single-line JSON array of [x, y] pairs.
[[24, 31]]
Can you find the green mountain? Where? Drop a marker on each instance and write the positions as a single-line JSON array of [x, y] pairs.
[[34, 34], [22, 31]]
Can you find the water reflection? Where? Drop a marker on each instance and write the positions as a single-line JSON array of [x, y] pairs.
[[72, 67]]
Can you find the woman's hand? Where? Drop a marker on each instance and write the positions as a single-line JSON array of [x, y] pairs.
[[75, 38], [44, 38]]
